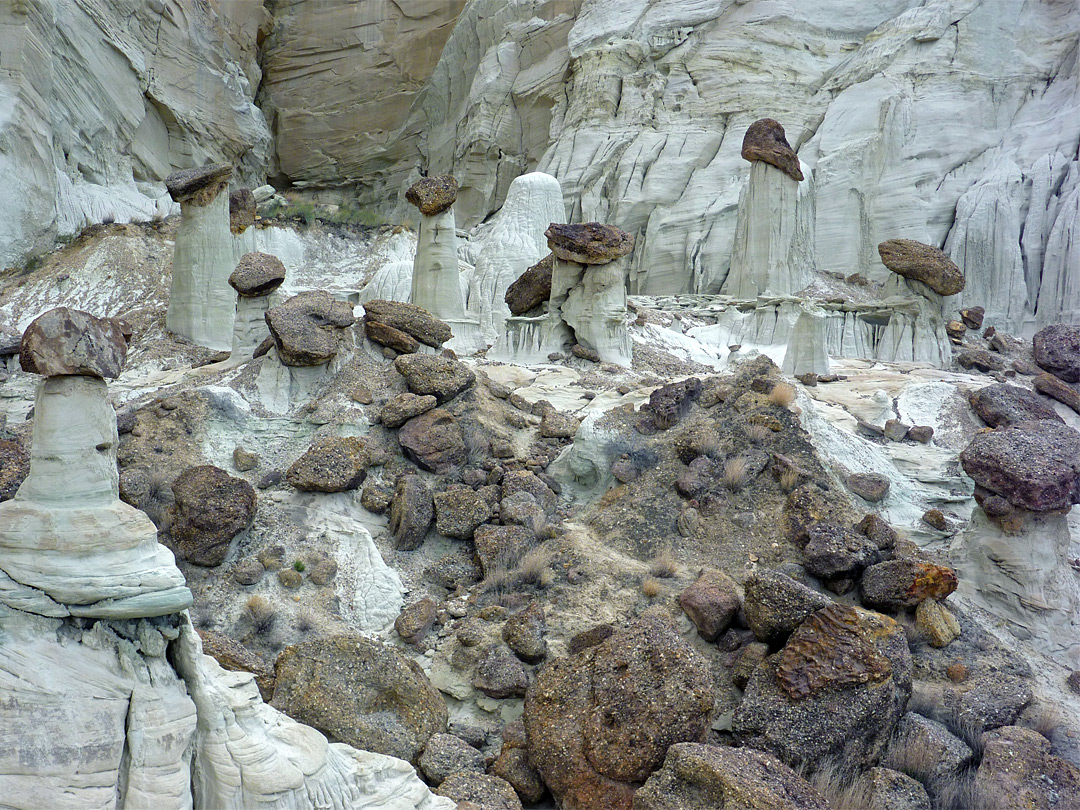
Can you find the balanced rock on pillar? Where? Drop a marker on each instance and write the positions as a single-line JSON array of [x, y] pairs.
[[68, 544], [765, 141], [926, 263], [256, 276]]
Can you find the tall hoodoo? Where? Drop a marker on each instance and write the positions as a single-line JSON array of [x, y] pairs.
[[201, 303], [255, 278], [436, 284]]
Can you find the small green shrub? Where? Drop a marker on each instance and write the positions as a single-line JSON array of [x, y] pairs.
[[299, 566]]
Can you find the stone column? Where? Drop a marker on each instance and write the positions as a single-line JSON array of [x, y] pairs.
[[68, 545], [201, 303], [766, 258], [256, 276], [436, 281]]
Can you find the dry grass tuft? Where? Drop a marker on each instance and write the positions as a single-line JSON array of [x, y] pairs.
[[842, 789], [1043, 718], [789, 479], [710, 445], [536, 564], [651, 587], [664, 565], [758, 434], [735, 473], [782, 394], [263, 615]]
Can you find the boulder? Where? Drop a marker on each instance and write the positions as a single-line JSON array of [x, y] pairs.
[[411, 513], [558, 425], [513, 764], [410, 319], [973, 317], [458, 512], [929, 751], [669, 403], [1001, 404], [361, 692], [500, 548], [234, 656], [835, 692], [872, 487], [877, 529], [415, 620], [306, 328], [885, 789], [14, 467], [1035, 465], [765, 141], [210, 509], [433, 441], [1019, 770], [1057, 350], [980, 360], [433, 195], [440, 377], [992, 701], [331, 464], [588, 243], [499, 673], [257, 274], [446, 754], [70, 341], [806, 505], [198, 186], [925, 263], [775, 604], [835, 551], [599, 722], [525, 481], [524, 634], [711, 602], [241, 210], [479, 791], [937, 623], [1056, 388], [532, 288], [904, 582], [711, 777], [404, 407], [392, 338]]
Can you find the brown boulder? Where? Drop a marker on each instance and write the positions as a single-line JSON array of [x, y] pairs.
[[479, 791], [234, 656], [711, 777], [257, 274], [445, 755], [1034, 465], [410, 319], [765, 141], [70, 341], [499, 673], [306, 328], [1058, 389], [440, 377], [1057, 350], [588, 243], [241, 210], [925, 263], [433, 441], [411, 513], [211, 508], [1003, 404], [361, 692], [871, 487], [775, 604], [601, 721], [404, 407], [1018, 770], [904, 582], [400, 342], [458, 512], [415, 620], [331, 464], [711, 602], [198, 186], [532, 288], [433, 195], [500, 548]]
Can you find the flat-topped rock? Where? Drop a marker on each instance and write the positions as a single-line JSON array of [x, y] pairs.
[[198, 186], [410, 319], [441, 377], [588, 243], [305, 328], [1001, 404], [924, 263], [532, 288], [1057, 350], [765, 141], [241, 210], [433, 195], [70, 341], [257, 274]]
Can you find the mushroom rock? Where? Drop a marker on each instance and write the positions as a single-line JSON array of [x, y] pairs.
[[202, 306], [70, 341], [256, 276], [306, 327], [926, 263], [765, 142], [433, 195]]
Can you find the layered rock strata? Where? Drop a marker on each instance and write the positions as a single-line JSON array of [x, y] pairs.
[[202, 305]]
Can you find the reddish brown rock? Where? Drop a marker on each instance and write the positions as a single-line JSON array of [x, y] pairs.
[[600, 722], [433, 441], [198, 186], [409, 318], [211, 508], [440, 377], [390, 337], [241, 210], [1057, 350], [411, 513], [331, 464], [904, 582], [588, 243], [765, 141], [415, 620], [711, 602], [306, 328], [973, 317], [532, 288], [1057, 389], [1003, 404], [257, 274], [871, 487], [924, 263], [433, 195], [70, 341]]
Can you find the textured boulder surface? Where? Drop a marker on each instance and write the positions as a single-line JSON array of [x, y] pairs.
[[1056, 388], [400, 342], [257, 274], [764, 140], [600, 722], [413, 320], [1000, 404], [433, 195], [198, 186], [1057, 350], [362, 692], [446, 754], [775, 604], [480, 790], [532, 288], [459, 511], [404, 407], [588, 243], [1018, 770], [211, 508], [706, 777], [440, 377], [711, 602], [904, 583], [331, 464], [1035, 465], [241, 210], [306, 328], [837, 689], [69, 341], [924, 263], [434, 441], [411, 512]]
